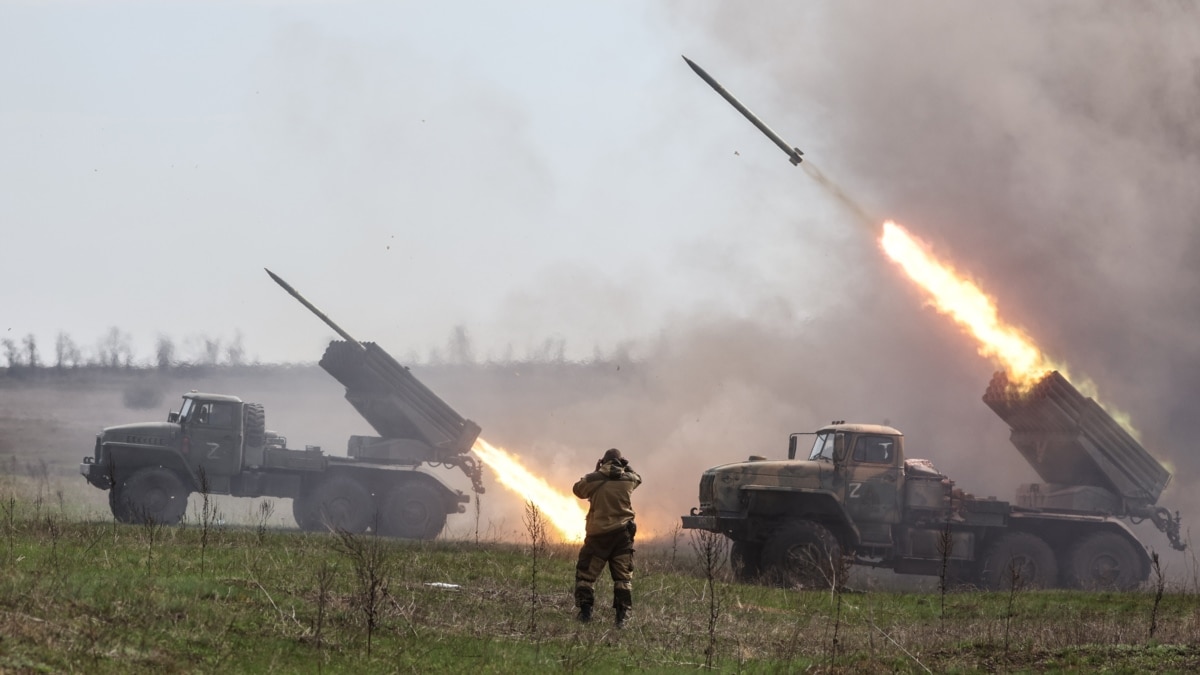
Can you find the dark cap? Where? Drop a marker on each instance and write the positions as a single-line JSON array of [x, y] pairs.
[[611, 454]]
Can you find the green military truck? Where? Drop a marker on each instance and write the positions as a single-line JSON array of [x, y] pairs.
[[854, 497], [219, 444]]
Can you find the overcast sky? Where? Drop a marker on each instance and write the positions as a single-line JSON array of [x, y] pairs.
[[529, 170], [554, 171]]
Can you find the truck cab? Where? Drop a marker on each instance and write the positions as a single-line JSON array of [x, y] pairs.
[[841, 487], [150, 468], [212, 434], [869, 461]]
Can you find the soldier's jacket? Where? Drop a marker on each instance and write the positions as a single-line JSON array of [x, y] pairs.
[[609, 489]]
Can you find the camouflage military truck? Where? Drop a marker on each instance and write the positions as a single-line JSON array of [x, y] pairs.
[[219, 444], [854, 496]]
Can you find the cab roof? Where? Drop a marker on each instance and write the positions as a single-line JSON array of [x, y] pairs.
[[862, 429], [213, 397]]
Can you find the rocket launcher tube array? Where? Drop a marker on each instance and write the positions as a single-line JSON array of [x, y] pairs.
[[1069, 439], [394, 401], [387, 395]]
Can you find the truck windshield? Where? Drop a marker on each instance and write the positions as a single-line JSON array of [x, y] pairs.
[[823, 446], [186, 409]]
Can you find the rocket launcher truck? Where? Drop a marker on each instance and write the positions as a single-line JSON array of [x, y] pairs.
[[855, 497], [219, 444]]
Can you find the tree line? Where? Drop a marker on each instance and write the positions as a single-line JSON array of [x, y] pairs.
[[114, 350]]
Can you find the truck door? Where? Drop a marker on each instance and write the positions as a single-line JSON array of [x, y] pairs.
[[872, 494], [215, 439]]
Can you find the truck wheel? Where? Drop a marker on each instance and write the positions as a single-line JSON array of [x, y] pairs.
[[342, 503], [255, 425], [1018, 557], [151, 496], [414, 510], [1105, 561], [119, 505], [302, 511], [802, 553], [745, 558]]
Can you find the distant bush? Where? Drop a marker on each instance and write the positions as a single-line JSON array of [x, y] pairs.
[[143, 395]]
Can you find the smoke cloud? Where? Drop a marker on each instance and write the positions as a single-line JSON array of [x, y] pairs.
[[1048, 151]]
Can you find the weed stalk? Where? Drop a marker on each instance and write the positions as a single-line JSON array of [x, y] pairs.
[[711, 548], [535, 526], [1159, 584]]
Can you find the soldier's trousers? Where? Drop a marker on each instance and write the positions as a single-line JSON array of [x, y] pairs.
[[614, 549]]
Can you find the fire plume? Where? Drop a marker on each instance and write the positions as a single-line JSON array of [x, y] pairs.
[[965, 303], [563, 511], [962, 300]]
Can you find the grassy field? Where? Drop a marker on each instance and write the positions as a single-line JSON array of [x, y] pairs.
[[79, 593]]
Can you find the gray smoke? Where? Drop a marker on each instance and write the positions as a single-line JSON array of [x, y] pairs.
[[1049, 151]]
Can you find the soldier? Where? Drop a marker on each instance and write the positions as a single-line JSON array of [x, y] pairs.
[[610, 532]]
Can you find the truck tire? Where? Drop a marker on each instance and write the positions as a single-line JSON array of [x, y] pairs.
[[119, 506], [342, 503], [302, 511], [414, 510], [1018, 557], [802, 553], [255, 425], [150, 496], [1104, 561], [745, 558]]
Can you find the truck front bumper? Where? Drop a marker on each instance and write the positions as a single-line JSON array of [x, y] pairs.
[[713, 522], [95, 473]]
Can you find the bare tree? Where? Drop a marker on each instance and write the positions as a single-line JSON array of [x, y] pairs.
[[115, 349], [164, 352], [235, 353], [552, 350], [31, 351], [12, 353], [459, 346], [66, 352], [212, 351]]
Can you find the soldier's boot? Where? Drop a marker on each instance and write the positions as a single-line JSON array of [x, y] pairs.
[[585, 613], [622, 602]]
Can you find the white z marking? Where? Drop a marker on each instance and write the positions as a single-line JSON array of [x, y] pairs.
[[854, 487], [212, 450]]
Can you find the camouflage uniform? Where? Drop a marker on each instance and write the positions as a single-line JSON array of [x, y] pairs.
[[610, 532]]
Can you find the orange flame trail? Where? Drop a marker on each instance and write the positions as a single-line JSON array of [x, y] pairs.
[[563, 511], [962, 300], [967, 305]]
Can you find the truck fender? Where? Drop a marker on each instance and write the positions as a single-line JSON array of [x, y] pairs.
[[404, 478], [792, 502], [124, 459]]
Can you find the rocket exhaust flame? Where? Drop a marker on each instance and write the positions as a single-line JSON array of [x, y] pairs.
[[563, 511], [965, 303], [952, 294]]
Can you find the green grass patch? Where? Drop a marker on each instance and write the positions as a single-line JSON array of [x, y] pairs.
[[92, 596]]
